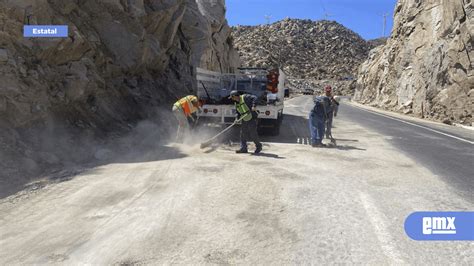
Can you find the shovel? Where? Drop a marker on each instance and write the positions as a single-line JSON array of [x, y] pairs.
[[333, 140], [208, 142]]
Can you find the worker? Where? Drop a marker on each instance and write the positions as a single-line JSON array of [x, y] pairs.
[[183, 109], [317, 120], [334, 107], [246, 107]]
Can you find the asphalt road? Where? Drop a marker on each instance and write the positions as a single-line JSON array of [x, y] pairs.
[[446, 150], [293, 204]]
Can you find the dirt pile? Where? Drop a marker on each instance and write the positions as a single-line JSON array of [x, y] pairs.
[[306, 49], [122, 61], [426, 67]]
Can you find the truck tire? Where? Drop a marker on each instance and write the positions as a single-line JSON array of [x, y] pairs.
[[275, 131], [270, 127]]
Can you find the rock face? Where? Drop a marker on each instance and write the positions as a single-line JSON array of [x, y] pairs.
[[306, 49], [377, 42], [426, 67], [339, 87], [121, 62]]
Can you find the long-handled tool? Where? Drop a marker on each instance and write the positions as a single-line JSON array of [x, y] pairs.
[[326, 124], [195, 122], [333, 140], [211, 140]]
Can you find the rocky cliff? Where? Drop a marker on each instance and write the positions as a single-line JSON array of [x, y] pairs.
[[304, 48], [426, 67], [122, 61]]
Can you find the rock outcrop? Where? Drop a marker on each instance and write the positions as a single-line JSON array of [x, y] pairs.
[[377, 42], [426, 67], [122, 61], [306, 49], [339, 87]]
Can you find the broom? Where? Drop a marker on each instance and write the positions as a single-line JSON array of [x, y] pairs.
[[208, 142]]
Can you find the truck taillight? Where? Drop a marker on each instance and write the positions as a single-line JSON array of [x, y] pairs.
[[206, 111], [267, 112], [214, 111]]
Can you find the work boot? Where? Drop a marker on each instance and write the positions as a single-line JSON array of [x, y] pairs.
[[318, 145], [241, 151], [258, 149]]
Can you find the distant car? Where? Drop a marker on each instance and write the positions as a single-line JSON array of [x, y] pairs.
[[308, 91]]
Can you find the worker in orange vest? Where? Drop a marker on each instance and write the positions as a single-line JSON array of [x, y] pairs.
[[182, 110]]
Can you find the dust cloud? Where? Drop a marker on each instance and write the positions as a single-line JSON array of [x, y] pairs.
[[55, 149]]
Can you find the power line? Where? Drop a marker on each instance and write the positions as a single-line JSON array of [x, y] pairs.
[[385, 15], [322, 5], [326, 14]]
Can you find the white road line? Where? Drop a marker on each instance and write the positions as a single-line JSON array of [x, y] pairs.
[[416, 125], [379, 224]]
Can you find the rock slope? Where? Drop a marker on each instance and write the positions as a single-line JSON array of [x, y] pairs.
[[426, 67], [306, 49], [122, 61]]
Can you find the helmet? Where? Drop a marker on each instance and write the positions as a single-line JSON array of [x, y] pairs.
[[234, 93]]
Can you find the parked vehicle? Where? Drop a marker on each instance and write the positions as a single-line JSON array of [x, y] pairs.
[[267, 85]]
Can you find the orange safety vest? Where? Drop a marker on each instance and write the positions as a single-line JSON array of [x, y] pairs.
[[186, 104]]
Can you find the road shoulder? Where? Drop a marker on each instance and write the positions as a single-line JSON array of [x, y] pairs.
[[464, 131]]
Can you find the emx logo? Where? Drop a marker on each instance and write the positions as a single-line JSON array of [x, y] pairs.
[[440, 226]]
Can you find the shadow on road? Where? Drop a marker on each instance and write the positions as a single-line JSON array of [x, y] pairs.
[[294, 130], [268, 155], [348, 140], [347, 148]]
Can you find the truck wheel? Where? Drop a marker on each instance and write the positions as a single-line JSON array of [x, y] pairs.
[[275, 131]]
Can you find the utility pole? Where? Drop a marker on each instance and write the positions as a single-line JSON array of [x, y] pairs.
[[268, 18], [385, 15], [327, 16], [325, 11]]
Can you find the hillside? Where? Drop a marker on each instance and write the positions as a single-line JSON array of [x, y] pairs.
[[306, 49]]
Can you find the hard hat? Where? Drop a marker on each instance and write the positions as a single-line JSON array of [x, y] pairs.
[[234, 93]]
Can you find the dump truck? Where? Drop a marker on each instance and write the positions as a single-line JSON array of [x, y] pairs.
[[267, 84]]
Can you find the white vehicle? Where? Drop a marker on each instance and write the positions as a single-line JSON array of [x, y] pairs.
[[268, 85]]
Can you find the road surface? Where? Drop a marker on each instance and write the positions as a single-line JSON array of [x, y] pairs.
[[293, 204]]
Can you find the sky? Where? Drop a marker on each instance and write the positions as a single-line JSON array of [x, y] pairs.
[[364, 17]]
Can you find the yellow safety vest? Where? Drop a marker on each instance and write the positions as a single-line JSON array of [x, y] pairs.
[[186, 104], [243, 109]]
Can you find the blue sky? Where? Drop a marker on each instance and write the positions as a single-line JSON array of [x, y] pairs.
[[362, 16]]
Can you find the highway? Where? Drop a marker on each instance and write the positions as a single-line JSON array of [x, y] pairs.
[[446, 150], [293, 204]]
